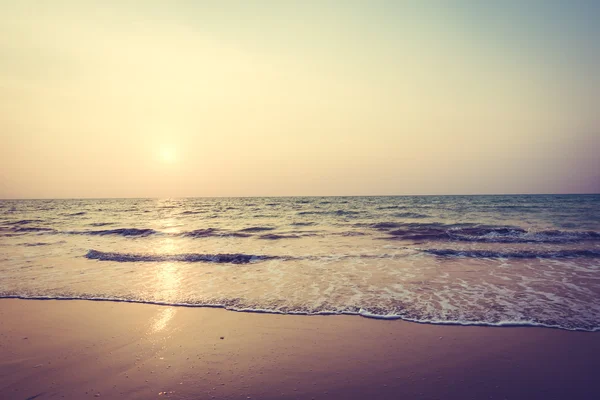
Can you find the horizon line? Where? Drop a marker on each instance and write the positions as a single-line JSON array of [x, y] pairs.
[[294, 196]]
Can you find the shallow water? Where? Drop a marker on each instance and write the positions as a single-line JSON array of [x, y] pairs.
[[517, 260]]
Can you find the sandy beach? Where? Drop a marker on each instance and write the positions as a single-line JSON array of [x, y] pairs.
[[87, 349]]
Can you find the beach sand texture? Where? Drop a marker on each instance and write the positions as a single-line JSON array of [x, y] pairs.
[[85, 349]]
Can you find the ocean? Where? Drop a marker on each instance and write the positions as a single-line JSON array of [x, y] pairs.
[[473, 260]]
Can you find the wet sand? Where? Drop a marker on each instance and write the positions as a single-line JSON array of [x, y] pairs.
[[85, 349]]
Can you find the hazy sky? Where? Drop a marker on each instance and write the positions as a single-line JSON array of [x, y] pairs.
[[248, 98]]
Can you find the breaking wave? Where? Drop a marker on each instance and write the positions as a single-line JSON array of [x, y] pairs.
[[375, 313], [514, 254], [188, 257], [490, 234]]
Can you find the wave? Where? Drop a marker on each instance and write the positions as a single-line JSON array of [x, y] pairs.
[[336, 212], [273, 236], [513, 254], [411, 215], [412, 231], [191, 212], [312, 212], [201, 233], [74, 214], [235, 234], [350, 233], [235, 306], [33, 229], [257, 229], [384, 225], [101, 223], [187, 257], [485, 233], [120, 231], [146, 232], [518, 235], [211, 232], [24, 222]]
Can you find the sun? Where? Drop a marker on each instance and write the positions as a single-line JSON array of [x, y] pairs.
[[167, 155]]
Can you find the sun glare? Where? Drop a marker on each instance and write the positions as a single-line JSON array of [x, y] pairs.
[[167, 155]]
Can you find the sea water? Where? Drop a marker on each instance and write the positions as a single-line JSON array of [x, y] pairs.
[[489, 260]]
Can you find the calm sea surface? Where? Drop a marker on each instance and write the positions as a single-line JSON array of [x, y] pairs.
[[493, 260]]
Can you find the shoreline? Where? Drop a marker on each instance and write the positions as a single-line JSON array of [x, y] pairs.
[[81, 349], [507, 324]]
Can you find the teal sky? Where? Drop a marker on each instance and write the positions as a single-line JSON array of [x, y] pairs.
[[250, 98]]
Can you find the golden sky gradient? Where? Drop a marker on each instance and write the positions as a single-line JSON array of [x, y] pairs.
[[258, 98]]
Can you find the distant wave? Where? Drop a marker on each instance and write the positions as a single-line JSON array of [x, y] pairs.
[[413, 231], [33, 229], [411, 215], [24, 222], [257, 229], [145, 232], [514, 254], [188, 257], [200, 233], [120, 231], [75, 214], [385, 225], [273, 236], [235, 234], [101, 223], [350, 233], [336, 212]]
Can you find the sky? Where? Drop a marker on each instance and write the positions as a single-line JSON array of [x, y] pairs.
[[288, 98]]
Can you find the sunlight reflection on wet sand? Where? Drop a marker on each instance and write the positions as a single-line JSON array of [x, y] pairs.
[[162, 319]]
